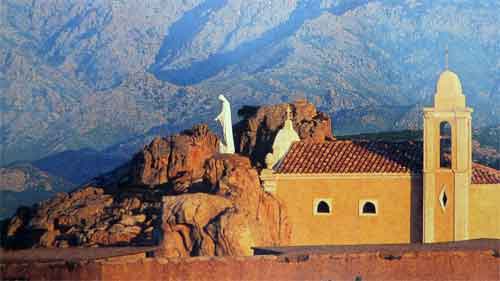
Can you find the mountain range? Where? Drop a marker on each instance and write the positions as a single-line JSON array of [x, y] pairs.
[[25, 184], [90, 81]]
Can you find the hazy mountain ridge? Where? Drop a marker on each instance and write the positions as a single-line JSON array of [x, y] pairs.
[[80, 74], [25, 184]]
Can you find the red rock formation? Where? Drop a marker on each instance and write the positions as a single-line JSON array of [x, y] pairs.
[[177, 159], [237, 214], [86, 217], [228, 214], [255, 134]]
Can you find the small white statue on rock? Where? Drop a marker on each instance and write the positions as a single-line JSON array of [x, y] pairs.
[[227, 127]]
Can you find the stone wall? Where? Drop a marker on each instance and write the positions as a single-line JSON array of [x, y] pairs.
[[410, 265]]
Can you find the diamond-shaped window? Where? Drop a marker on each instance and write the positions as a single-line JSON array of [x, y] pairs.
[[443, 198]]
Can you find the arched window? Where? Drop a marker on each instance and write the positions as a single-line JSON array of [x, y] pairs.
[[445, 145], [369, 208], [322, 206]]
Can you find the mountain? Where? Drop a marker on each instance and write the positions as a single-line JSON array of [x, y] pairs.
[[486, 146], [79, 166], [84, 74], [24, 184]]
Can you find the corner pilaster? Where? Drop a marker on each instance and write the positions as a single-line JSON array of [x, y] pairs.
[[268, 179], [429, 178]]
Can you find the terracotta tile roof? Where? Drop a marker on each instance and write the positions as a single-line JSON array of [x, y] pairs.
[[365, 157], [352, 157], [484, 175]]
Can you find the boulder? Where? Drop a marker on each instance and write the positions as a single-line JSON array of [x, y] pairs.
[[207, 204], [254, 135], [235, 216], [85, 217], [117, 234], [168, 159], [132, 220], [185, 222], [16, 223]]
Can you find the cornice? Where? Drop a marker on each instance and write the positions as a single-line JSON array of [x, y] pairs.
[[453, 113]]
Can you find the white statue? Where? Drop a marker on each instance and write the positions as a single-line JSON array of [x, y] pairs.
[[282, 142], [227, 126]]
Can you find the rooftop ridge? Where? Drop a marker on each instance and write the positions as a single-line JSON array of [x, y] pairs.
[[366, 157], [486, 167]]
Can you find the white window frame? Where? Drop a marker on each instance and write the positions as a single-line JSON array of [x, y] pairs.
[[316, 202], [362, 203]]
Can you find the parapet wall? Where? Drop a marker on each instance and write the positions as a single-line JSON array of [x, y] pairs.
[[411, 265]]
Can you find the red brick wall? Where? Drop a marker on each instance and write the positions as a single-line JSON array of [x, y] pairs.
[[429, 265]]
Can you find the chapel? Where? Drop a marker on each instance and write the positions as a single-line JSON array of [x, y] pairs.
[[376, 192]]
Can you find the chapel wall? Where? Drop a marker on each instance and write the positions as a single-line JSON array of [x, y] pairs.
[[484, 211], [398, 218]]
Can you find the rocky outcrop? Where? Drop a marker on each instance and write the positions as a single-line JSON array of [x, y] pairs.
[[178, 159], [254, 135], [177, 192], [186, 221], [236, 215], [87, 217]]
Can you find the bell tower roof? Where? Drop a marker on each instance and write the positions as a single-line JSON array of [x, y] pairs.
[[449, 92], [449, 83]]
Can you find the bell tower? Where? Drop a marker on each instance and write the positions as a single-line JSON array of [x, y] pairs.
[[447, 166]]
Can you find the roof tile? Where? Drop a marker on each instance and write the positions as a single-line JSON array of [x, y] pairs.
[[366, 157], [484, 175]]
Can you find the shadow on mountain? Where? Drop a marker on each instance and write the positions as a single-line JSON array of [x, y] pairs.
[[23, 184], [185, 29], [10, 200], [79, 166], [215, 63], [347, 6]]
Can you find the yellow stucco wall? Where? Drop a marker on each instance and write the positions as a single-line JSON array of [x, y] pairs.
[[484, 211], [444, 217], [398, 220]]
